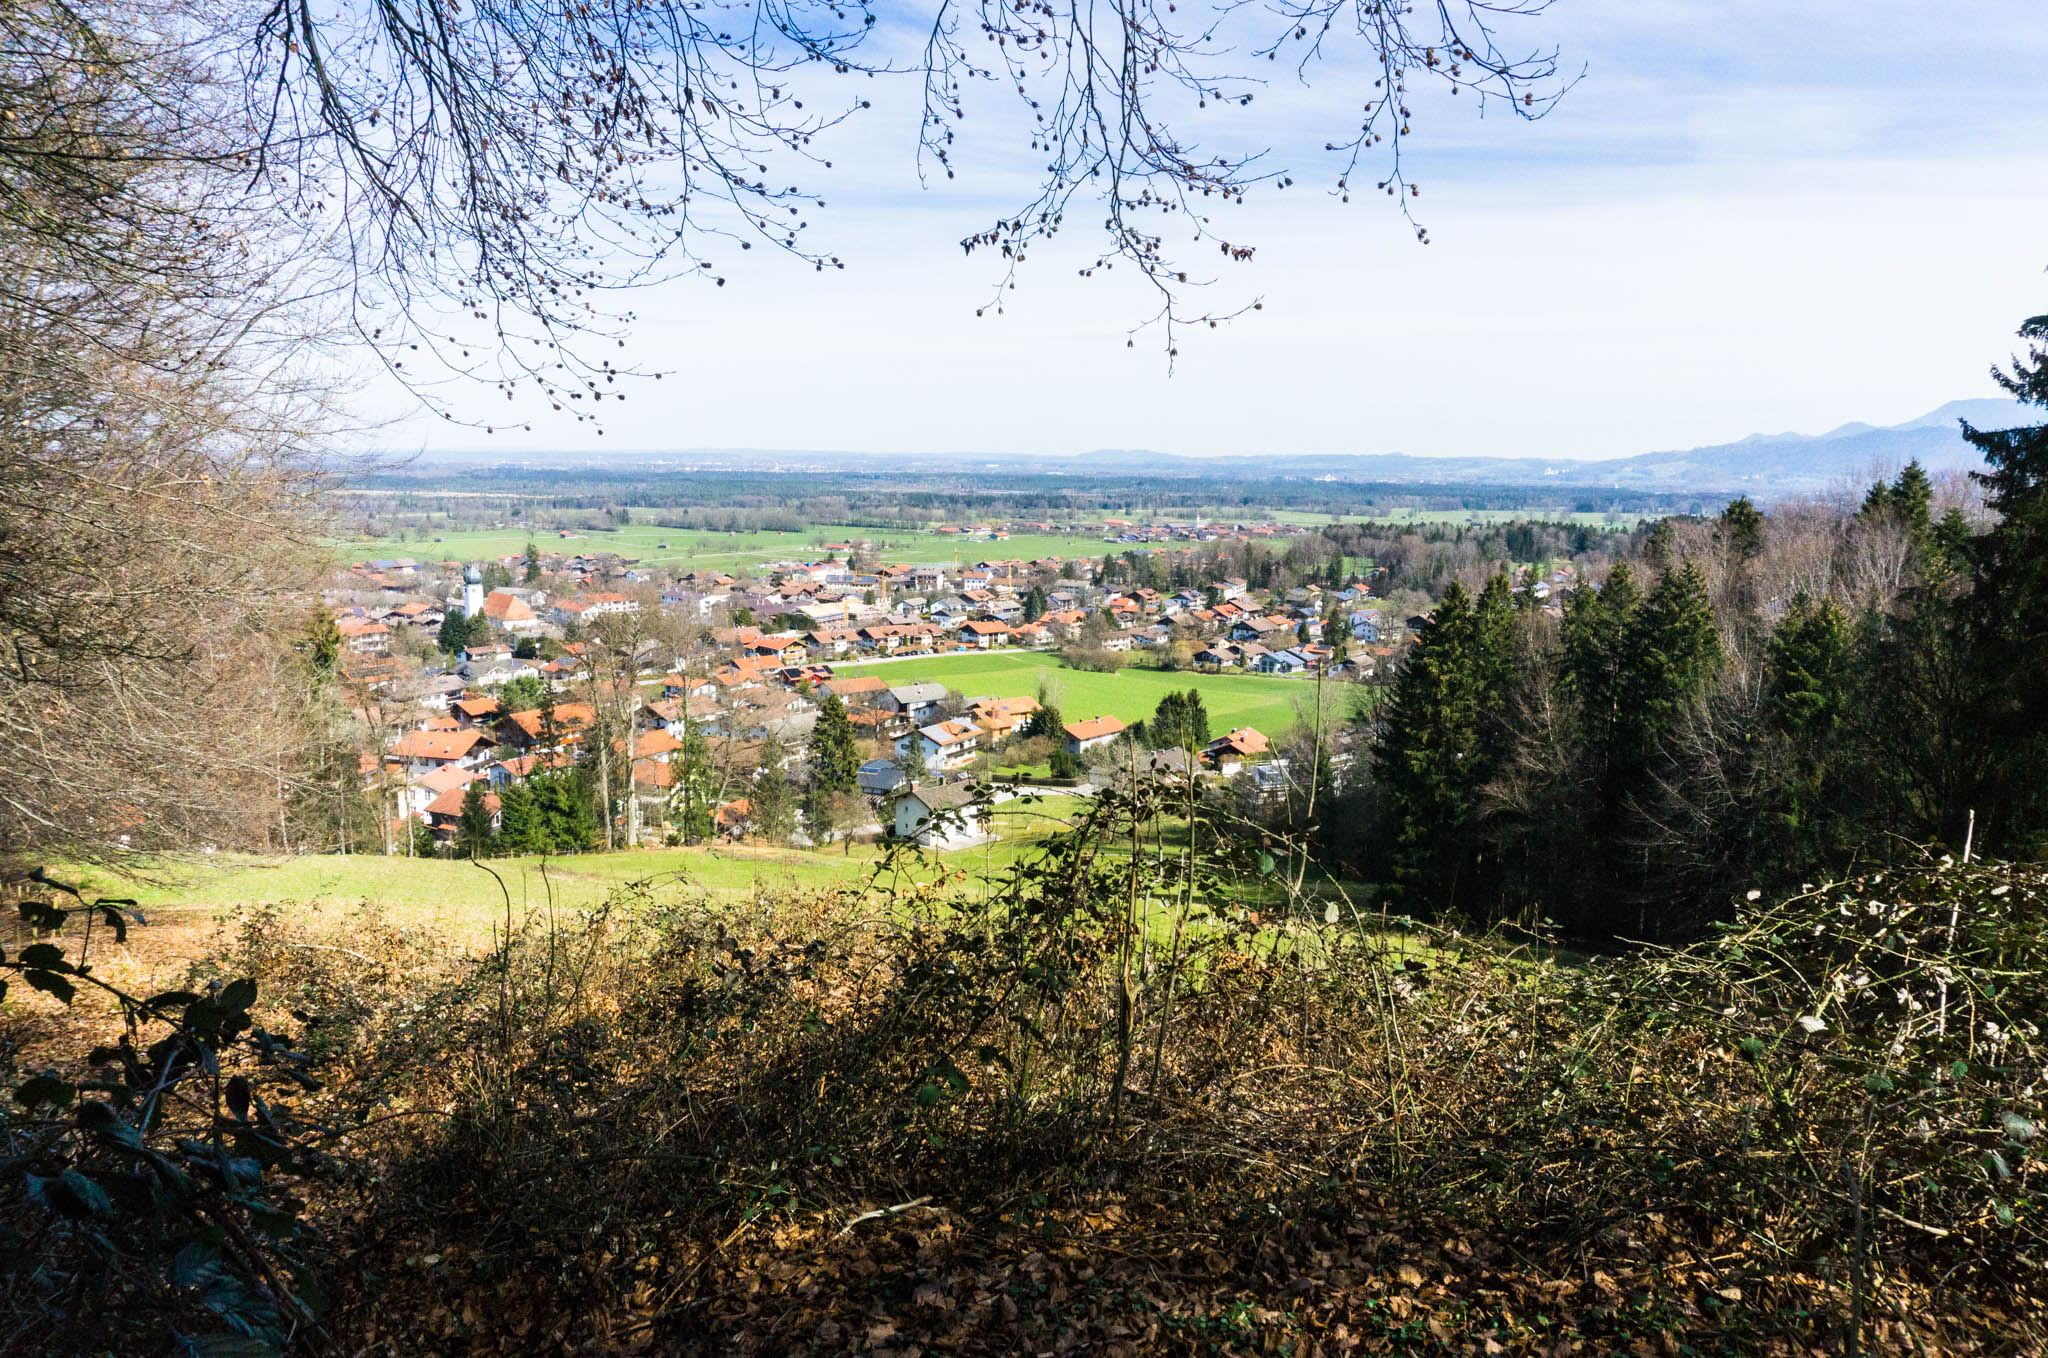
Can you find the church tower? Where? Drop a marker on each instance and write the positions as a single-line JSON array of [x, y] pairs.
[[472, 590]]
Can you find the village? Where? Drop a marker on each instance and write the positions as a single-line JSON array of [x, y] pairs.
[[678, 692]]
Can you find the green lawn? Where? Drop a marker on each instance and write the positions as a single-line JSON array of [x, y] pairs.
[[1267, 702]]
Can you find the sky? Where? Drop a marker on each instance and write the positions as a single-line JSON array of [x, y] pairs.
[[1745, 217]]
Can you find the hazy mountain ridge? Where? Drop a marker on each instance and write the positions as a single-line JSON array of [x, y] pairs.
[[1767, 466]]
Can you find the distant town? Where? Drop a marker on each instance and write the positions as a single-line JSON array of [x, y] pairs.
[[489, 673]]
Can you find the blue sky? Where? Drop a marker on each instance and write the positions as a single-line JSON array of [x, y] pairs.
[[1746, 217]]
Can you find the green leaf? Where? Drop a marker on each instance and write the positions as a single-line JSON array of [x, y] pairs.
[[43, 955], [238, 995]]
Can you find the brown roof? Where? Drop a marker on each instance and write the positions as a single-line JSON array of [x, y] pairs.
[[438, 744], [1094, 727], [450, 802], [568, 717], [851, 688], [1244, 740], [502, 607], [950, 732]]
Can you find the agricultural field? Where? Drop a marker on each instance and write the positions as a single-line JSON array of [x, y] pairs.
[[1267, 702], [707, 549]]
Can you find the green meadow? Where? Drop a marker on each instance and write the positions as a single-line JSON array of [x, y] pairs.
[[464, 902], [1268, 702], [705, 549]]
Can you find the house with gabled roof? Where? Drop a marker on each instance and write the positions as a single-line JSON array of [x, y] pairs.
[[946, 745], [1229, 752], [508, 612], [424, 751], [939, 817], [1092, 734], [1000, 717]]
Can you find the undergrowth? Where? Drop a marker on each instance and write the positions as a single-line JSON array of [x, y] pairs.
[[1081, 1112]]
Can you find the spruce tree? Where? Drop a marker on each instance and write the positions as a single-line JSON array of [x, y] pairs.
[[474, 836], [1808, 701], [1673, 649], [454, 633], [1034, 604], [1424, 756], [834, 755], [1596, 628], [1742, 528], [1913, 500], [2009, 603]]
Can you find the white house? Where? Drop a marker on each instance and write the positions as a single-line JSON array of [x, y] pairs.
[[1092, 734], [918, 702], [940, 817], [946, 745]]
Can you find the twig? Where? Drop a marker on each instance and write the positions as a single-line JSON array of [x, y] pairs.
[[884, 1212]]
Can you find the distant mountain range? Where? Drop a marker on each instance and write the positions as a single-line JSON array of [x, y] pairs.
[[1764, 466]]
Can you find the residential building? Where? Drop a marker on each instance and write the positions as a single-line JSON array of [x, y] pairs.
[[946, 746], [940, 817], [1092, 734]]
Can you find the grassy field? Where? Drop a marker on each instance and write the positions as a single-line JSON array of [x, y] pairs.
[[1264, 701], [459, 895], [463, 902], [692, 549]]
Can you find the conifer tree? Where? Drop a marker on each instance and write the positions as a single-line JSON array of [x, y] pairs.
[[454, 633], [474, 836], [2010, 600], [1596, 629], [1034, 604], [834, 754], [1673, 649], [1809, 694], [1913, 500], [1425, 754], [1742, 528]]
